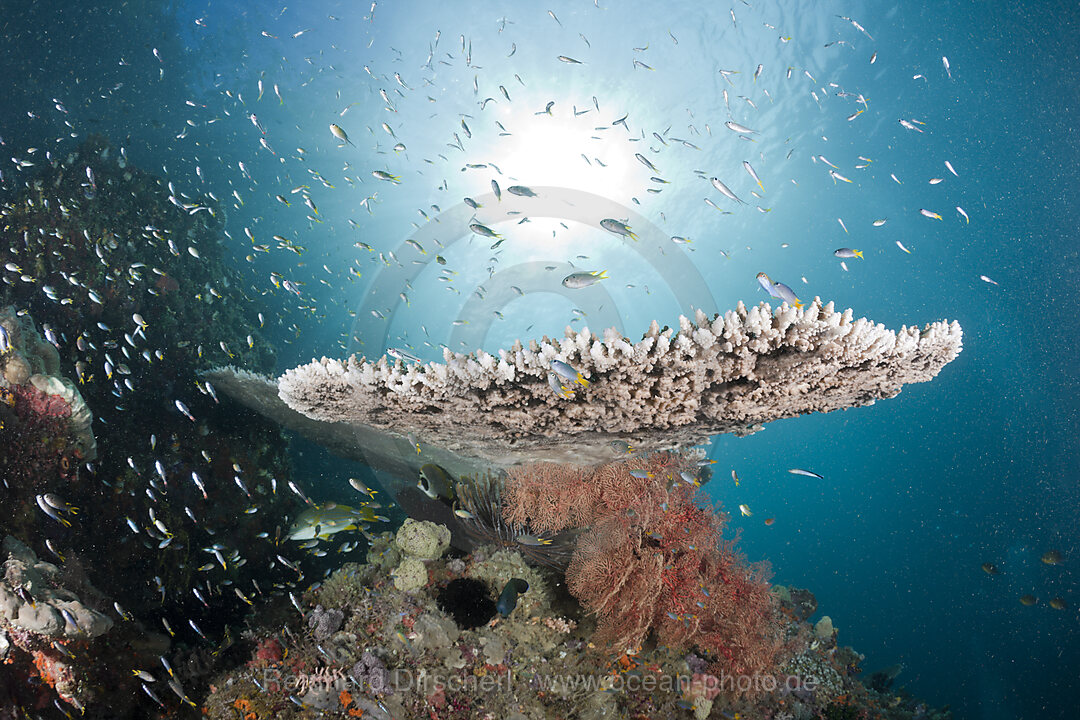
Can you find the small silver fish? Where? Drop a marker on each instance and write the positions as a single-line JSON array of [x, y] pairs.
[[736, 127], [725, 190], [753, 174], [645, 161], [484, 230]]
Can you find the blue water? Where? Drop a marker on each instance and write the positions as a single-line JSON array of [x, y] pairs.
[[979, 465]]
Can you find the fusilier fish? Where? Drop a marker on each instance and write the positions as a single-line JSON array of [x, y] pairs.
[[383, 175], [484, 230], [645, 161], [736, 127], [753, 174], [725, 190]]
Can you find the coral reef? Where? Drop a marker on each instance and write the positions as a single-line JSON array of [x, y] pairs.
[[43, 618], [498, 567], [728, 374], [30, 382], [801, 603], [133, 295], [824, 629], [409, 655], [32, 600], [371, 675], [128, 281], [482, 499]]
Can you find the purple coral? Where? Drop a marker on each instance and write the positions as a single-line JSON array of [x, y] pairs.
[[325, 623], [371, 674]]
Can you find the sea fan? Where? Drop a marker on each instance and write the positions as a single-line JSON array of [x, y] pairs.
[[654, 560]]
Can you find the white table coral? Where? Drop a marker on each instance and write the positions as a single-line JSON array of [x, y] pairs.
[[728, 373]]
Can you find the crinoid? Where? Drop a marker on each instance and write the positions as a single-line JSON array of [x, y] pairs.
[[482, 497]]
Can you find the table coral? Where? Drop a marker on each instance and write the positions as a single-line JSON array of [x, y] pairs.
[[729, 373]]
